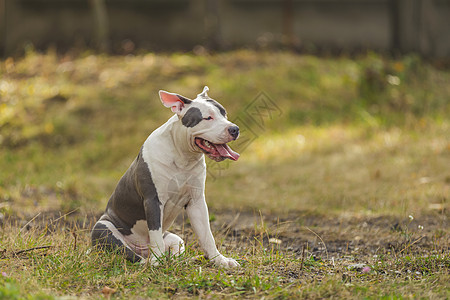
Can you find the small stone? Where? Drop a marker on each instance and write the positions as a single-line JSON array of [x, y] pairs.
[[275, 241]]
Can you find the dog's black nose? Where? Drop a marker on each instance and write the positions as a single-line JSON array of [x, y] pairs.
[[234, 131]]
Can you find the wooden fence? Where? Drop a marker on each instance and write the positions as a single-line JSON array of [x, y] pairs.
[[121, 26]]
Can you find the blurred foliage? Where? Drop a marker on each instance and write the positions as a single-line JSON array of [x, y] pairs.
[[59, 100], [70, 126]]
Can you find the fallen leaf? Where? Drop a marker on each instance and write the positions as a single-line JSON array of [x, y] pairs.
[[107, 291]]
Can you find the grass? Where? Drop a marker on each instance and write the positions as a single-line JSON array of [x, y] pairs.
[[336, 154], [69, 268]]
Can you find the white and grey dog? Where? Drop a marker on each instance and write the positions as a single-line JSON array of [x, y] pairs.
[[168, 176]]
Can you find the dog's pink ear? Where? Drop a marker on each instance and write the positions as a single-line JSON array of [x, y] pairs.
[[174, 101]]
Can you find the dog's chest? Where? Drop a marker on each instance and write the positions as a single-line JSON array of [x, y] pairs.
[[182, 187]]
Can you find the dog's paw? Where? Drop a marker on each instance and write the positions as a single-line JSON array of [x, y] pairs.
[[153, 261], [225, 262]]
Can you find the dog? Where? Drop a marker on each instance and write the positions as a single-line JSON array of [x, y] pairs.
[[167, 176]]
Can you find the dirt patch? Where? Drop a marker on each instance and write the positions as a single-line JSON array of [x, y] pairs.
[[337, 236]]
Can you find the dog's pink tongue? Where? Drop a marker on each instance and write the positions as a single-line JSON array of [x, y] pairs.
[[225, 151]]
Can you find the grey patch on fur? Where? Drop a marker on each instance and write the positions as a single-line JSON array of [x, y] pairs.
[[135, 198], [222, 110], [103, 239], [153, 212], [192, 117]]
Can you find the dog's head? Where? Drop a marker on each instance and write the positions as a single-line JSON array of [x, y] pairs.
[[207, 123]]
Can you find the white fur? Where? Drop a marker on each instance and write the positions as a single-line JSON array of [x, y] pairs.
[[174, 244]]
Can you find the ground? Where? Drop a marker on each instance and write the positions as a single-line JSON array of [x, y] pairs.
[[298, 254]]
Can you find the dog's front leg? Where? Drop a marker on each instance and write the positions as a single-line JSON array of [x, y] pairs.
[[156, 246], [197, 212], [153, 212]]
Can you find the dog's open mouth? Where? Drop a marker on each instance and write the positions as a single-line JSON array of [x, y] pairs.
[[217, 152]]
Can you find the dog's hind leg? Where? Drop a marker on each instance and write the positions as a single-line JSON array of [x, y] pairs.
[[106, 239], [173, 243]]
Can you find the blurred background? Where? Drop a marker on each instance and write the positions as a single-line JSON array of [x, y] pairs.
[[343, 105], [342, 188], [122, 27]]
